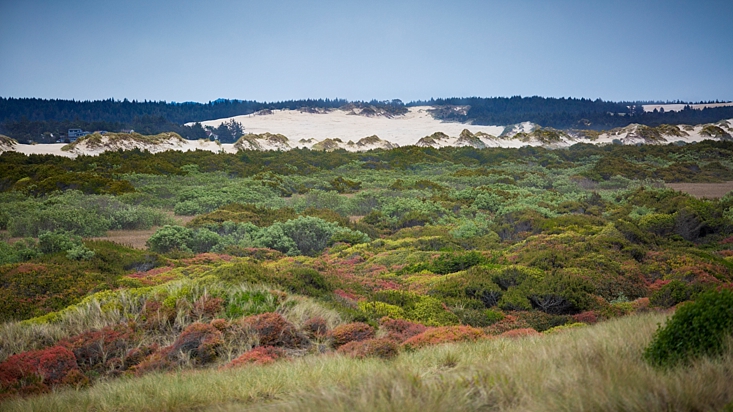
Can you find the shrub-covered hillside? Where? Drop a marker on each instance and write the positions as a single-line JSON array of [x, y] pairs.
[[265, 257]]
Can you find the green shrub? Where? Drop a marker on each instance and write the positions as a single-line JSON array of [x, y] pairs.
[[671, 294], [560, 294], [20, 251], [304, 281], [474, 284], [170, 238], [478, 318], [80, 252], [242, 272], [658, 223], [204, 240], [379, 310], [57, 241], [432, 312], [306, 235], [698, 328], [514, 299]]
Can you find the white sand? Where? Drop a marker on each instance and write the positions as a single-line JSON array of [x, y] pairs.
[[55, 148], [628, 135], [402, 130], [337, 124], [51, 148]]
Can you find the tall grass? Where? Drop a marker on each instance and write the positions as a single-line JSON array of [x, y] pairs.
[[598, 368], [109, 308]]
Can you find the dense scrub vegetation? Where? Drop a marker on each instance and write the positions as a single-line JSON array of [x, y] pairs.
[[370, 255]]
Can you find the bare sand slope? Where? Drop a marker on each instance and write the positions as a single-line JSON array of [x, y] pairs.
[[338, 124]]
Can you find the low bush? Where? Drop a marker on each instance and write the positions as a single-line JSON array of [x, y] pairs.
[[273, 330], [379, 310], [36, 368], [588, 317], [170, 238], [400, 330], [304, 281], [351, 332], [371, 348], [510, 321], [519, 333], [93, 349], [432, 312], [315, 328], [541, 321], [199, 341], [445, 334], [698, 328], [671, 294], [261, 355]]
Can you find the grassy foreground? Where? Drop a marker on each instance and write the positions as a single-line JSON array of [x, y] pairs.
[[596, 368]]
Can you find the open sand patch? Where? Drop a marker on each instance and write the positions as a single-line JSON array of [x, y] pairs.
[[700, 190]]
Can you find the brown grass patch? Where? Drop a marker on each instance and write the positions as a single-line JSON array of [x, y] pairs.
[[701, 190], [132, 238]]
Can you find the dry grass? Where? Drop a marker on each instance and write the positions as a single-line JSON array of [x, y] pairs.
[[596, 368], [703, 190], [137, 238], [130, 238]]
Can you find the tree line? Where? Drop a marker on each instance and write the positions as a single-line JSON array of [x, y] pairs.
[[42, 120]]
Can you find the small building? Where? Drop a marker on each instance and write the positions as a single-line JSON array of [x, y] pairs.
[[74, 134]]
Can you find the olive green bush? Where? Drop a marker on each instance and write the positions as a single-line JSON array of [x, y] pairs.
[[698, 328]]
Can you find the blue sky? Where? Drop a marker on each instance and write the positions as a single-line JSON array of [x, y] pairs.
[[362, 50]]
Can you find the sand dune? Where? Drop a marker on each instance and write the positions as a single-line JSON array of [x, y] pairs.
[[338, 124], [339, 129]]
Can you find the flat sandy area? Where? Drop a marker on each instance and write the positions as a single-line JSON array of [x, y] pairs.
[[700, 190]]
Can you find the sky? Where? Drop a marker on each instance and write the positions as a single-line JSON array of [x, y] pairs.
[[362, 50]]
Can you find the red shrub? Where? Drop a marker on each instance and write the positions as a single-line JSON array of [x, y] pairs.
[[351, 332], [508, 323], [75, 378], [155, 316], [135, 356], [520, 333], [208, 307], [92, 349], [260, 355], [156, 361], [274, 330], [220, 324], [399, 330], [380, 348], [641, 304], [51, 365], [200, 341], [590, 317], [316, 328], [444, 334]]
